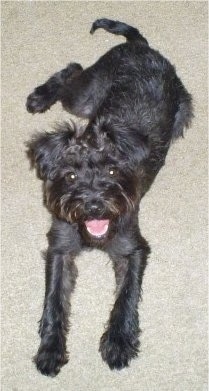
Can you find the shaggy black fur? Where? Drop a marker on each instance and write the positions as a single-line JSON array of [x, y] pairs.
[[95, 176]]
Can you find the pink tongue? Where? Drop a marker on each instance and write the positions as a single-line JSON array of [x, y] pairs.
[[97, 227]]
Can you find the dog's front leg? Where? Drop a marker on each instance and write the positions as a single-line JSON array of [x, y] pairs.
[[119, 344], [61, 274]]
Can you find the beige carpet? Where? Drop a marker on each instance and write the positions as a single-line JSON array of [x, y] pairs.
[[38, 38]]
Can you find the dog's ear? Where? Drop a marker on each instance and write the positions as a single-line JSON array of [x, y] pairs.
[[141, 149], [45, 151], [127, 140], [133, 156], [134, 148]]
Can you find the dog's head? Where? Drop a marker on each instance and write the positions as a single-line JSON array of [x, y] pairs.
[[87, 179]]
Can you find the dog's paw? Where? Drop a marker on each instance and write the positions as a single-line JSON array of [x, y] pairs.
[[49, 361], [118, 349], [39, 101]]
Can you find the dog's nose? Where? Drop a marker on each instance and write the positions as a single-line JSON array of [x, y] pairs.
[[94, 207]]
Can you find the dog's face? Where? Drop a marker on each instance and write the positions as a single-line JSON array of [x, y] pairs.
[[86, 179]]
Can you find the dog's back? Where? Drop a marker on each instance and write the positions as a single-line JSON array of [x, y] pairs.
[[144, 105], [145, 87]]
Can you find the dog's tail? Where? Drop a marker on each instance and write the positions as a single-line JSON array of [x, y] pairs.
[[118, 28]]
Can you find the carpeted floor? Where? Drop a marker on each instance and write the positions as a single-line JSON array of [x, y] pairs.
[[39, 38]]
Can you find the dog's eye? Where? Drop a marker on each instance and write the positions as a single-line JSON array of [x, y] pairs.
[[70, 177], [112, 171]]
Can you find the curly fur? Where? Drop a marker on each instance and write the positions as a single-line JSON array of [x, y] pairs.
[[95, 176]]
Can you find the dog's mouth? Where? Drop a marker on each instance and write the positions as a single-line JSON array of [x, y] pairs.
[[97, 228]]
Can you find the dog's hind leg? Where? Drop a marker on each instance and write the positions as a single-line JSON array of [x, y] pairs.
[[80, 91], [45, 95]]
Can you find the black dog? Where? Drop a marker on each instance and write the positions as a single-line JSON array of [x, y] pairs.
[[95, 177]]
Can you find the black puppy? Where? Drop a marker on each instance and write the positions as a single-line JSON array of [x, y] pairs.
[[95, 176]]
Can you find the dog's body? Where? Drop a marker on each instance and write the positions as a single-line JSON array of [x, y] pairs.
[[95, 177]]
